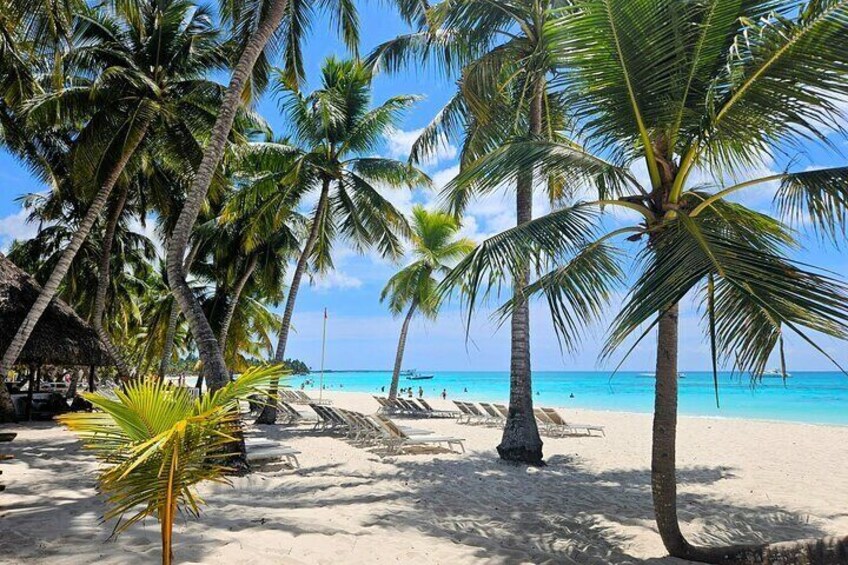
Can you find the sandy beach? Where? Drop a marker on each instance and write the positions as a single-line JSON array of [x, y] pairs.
[[739, 481]]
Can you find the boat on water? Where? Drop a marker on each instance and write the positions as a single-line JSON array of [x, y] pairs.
[[654, 375], [775, 374], [414, 375]]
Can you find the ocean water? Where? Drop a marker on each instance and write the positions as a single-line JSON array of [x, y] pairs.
[[811, 397]]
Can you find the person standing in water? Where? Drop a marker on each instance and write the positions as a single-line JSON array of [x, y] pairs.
[[420, 392]]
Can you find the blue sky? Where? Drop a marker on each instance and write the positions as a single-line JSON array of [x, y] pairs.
[[362, 335]]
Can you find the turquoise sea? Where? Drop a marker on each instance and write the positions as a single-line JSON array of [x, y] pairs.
[[812, 397]]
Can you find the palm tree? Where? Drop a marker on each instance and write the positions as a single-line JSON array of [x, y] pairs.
[[159, 443], [120, 111], [502, 52], [413, 288], [689, 90], [254, 24], [334, 129]]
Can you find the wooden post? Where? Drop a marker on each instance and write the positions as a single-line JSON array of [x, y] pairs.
[[91, 372]]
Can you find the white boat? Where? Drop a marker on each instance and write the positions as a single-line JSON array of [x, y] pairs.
[[775, 374]]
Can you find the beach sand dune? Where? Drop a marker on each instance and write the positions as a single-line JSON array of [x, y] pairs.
[[739, 481]]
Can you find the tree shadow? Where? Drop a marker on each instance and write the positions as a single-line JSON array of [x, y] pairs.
[[499, 513]]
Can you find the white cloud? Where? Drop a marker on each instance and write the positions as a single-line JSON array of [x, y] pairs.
[[148, 230], [400, 145], [336, 279], [16, 226]]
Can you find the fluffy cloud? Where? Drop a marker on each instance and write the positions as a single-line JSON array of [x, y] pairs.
[[400, 144], [15, 226], [336, 279]]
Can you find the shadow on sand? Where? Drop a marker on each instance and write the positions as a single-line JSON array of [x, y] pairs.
[[557, 514]]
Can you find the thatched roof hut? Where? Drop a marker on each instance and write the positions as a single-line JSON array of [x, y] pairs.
[[60, 337]]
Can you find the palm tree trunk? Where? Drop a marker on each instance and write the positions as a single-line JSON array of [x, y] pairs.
[[173, 318], [401, 346], [234, 300], [521, 442], [49, 289], [103, 284], [664, 481], [269, 410], [210, 351]]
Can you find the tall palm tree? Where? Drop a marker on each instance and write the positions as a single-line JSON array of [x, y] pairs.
[[335, 130], [710, 89], [119, 111], [502, 53], [413, 288], [254, 24]]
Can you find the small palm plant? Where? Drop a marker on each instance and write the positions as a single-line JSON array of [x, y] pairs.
[[413, 288], [159, 443]]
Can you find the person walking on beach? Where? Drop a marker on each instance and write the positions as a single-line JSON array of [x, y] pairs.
[[420, 392], [444, 394]]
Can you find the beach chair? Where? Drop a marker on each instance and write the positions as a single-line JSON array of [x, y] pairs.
[[464, 413], [502, 409], [544, 421], [328, 419], [394, 406], [410, 408], [396, 439], [495, 417], [477, 417], [574, 428], [262, 450], [301, 397], [385, 406], [437, 413]]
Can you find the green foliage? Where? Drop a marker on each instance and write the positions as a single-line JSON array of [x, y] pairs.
[[434, 246], [158, 443], [335, 132], [716, 87]]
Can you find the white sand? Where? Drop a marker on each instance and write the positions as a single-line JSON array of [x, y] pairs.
[[739, 481]]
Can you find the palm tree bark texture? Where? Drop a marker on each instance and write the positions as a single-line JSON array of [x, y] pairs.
[[521, 442], [210, 351]]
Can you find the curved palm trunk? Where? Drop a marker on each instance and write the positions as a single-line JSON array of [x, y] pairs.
[[269, 410], [401, 346], [117, 209], [173, 318], [234, 300], [62, 266], [664, 480], [521, 442], [210, 351]]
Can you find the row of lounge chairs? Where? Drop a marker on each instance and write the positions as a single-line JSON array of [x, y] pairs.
[[550, 422], [378, 430], [411, 407], [300, 397]]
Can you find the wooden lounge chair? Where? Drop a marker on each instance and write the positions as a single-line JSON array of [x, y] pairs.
[[572, 426], [397, 439]]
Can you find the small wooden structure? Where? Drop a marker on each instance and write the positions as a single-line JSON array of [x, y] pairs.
[[61, 338]]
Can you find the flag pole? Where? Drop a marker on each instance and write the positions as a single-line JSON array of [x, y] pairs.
[[323, 350]]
